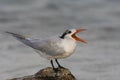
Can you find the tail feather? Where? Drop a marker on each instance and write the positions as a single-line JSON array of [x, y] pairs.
[[21, 38], [16, 35]]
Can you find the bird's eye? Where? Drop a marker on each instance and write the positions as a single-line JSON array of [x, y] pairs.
[[69, 32]]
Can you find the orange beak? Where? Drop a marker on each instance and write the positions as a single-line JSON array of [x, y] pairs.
[[76, 37]]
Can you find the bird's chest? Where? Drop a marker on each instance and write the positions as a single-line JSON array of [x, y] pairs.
[[69, 46]]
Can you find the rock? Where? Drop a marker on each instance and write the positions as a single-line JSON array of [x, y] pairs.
[[49, 74]]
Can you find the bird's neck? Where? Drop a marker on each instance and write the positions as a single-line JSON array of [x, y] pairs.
[[68, 40]]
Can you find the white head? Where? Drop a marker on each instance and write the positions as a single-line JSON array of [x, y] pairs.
[[72, 34]]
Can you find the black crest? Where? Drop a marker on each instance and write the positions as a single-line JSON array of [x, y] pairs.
[[65, 33]]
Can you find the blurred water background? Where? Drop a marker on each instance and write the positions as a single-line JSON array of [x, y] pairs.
[[97, 60]]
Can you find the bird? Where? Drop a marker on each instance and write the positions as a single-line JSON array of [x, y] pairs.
[[53, 48]]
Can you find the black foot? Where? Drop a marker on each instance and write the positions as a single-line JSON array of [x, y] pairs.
[[61, 67], [55, 70]]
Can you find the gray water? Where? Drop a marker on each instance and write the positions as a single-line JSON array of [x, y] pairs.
[[97, 60]]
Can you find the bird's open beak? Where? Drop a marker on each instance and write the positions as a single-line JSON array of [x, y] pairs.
[[76, 37]]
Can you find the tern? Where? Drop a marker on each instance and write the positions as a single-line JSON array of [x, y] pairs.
[[53, 48]]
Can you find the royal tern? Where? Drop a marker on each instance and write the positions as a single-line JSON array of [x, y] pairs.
[[53, 48]]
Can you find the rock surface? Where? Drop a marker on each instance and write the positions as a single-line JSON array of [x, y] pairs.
[[49, 74]]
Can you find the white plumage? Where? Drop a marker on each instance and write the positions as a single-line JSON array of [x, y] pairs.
[[55, 47]]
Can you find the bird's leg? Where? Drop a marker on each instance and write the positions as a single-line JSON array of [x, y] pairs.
[[55, 69], [52, 64], [58, 64]]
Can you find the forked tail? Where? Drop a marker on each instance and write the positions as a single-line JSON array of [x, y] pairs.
[[21, 38]]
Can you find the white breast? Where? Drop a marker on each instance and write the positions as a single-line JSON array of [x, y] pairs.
[[69, 46]]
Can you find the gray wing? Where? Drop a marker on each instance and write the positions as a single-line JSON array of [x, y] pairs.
[[49, 47]]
